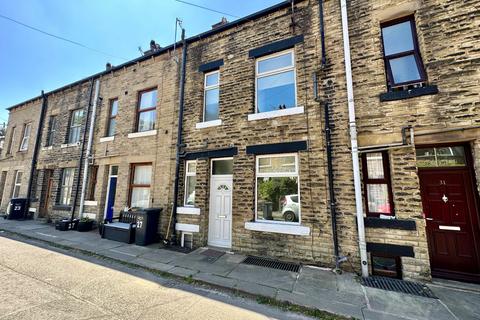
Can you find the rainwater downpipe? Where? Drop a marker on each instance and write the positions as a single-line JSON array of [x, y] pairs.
[[179, 137], [80, 161], [328, 141], [88, 152], [36, 148], [353, 141]]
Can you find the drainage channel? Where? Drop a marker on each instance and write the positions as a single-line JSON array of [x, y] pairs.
[[397, 285], [270, 263]]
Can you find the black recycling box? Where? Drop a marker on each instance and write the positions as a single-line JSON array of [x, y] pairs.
[[147, 225], [18, 208]]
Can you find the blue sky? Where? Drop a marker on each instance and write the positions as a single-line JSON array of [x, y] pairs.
[[31, 61]]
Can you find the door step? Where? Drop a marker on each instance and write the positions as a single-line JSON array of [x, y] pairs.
[[397, 285], [273, 264]]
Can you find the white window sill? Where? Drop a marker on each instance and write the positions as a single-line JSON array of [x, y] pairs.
[[106, 139], [69, 145], [208, 124], [90, 203], [187, 227], [278, 228], [275, 114], [188, 210], [47, 148], [142, 134]]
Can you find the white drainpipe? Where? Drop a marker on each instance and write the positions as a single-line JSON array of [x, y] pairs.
[[353, 141], [88, 152]]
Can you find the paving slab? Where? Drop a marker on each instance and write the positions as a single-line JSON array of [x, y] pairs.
[[201, 263], [133, 249], [465, 304], [265, 276], [153, 264], [256, 289], [182, 272], [215, 279], [111, 253], [162, 255]]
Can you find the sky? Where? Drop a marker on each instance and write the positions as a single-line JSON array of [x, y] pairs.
[[31, 61]]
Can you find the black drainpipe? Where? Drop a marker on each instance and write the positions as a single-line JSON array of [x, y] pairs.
[[328, 142], [179, 138], [80, 161], [36, 148]]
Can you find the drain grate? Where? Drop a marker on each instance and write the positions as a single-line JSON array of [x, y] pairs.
[[270, 263], [212, 255], [397, 285]]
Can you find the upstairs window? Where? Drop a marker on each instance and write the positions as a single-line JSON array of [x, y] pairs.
[[402, 57], [278, 189], [190, 182], [12, 140], [26, 137], [112, 117], [377, 184], [211, 96], [275, 82], [52, 128], [141, 178], [146, 112], [76, 120], [66, 186], [17, 183]]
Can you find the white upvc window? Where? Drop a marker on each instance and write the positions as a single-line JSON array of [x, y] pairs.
[[76, 120], [277, 195], [66, 186], [17, 184], [275, 82], [26, 137], [211, 96], [190, 183]]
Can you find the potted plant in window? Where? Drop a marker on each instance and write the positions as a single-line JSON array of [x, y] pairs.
[[85, 224]]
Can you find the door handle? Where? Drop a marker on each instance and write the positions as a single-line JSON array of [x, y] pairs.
[[429, 219], [222, 216]]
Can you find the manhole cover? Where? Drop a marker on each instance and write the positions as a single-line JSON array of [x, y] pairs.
[[212, 255]]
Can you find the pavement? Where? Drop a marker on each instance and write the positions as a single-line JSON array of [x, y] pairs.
[[39, 284], [311, 287]]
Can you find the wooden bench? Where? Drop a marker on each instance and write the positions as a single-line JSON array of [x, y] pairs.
[[122, 230]]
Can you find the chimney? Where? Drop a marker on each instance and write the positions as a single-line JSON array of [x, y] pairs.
[[108, 66], [222, 22]]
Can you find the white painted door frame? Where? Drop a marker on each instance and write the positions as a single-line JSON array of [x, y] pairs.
[[220, 211]]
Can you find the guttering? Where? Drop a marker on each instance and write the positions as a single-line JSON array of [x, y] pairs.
[[322, 33], [179, 137], [353, 141], [80, 161], [230, 25], [88, 152], [36, 148]]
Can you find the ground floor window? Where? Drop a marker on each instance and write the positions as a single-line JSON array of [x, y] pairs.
[[190, 182], [66, 186], [140, 181], [386, 265], [377, 184], [17, 184], [277, 188]]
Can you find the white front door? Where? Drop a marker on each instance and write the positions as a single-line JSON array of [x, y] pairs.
[[220, 216]]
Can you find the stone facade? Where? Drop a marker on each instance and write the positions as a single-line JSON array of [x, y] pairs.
[[450, 116]]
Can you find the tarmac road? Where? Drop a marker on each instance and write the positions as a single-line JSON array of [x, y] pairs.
[[38, 283]]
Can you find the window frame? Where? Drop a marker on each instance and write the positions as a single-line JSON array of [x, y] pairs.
[[12, 140], [110, 117], [138, 111], [25, 137], [208, 88], [189, 174], [131, 185], [385, 180], [278, 175], [16, 183], [63, 186], [52, 129], [71, 126], [275, 72], [415, 52], [92, 183], [384, 273]]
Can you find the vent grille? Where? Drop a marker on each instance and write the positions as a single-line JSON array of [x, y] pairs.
[[397, 285], [273, 264]]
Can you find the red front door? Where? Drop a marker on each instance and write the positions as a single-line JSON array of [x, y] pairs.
[[452, 222]]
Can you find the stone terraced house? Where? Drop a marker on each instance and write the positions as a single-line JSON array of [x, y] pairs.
[[272, 106]]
